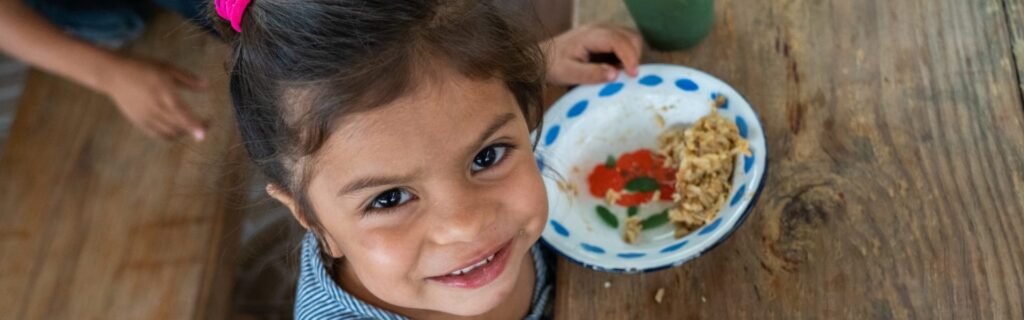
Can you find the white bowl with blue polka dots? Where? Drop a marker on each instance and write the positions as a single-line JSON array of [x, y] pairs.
[[592, 122]]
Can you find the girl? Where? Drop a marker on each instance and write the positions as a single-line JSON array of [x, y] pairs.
[[397, 133]]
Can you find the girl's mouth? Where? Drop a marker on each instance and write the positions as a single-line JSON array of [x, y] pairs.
[[480, 272]]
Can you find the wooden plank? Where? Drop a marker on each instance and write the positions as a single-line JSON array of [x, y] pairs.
[[896, 186], [1015, 17], [100, 222]]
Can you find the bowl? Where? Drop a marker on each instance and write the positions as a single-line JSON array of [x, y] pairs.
[[591, 125]]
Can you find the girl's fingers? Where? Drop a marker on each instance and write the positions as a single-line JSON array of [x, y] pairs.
[[634, 38], [182, 118], [612, 41], [582, 73], [632, 63]]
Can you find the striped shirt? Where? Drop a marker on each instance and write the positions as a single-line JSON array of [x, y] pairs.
[[318, 297]]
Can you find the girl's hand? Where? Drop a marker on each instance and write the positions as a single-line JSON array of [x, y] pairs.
[[146, 92], [567, 54]]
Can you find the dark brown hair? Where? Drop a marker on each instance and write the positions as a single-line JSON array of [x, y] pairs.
[[300, 65]]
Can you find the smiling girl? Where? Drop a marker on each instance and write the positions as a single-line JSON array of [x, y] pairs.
[[398, 134]]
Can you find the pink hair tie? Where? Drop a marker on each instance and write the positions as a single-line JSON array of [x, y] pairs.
[[232, 10]]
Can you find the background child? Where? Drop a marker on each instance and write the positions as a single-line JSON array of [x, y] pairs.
[[397, 133], [75, 39]]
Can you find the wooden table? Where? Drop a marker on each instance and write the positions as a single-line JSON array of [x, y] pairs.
[[98, 221], [896, 186]]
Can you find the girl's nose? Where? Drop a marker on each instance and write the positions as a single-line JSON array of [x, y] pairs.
[[463, 215]]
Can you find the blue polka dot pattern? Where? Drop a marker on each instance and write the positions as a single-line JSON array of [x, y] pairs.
[[710, 227], [610, 89], [540, 164], [674, 247], [631, 255], [738, 196], [552, 135], [577, 109], [592, 248], [742, 125], [559, 228], [650, 81], [687, 85], [748, 163]]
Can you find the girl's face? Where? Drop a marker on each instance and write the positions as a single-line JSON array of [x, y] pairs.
[[434, 200]]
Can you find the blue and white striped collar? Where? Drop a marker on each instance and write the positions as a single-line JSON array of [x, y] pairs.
[[318, 297]]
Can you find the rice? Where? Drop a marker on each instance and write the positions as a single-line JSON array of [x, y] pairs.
[[568, 187], [705, 156]]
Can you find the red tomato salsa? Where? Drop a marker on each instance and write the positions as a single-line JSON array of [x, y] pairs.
[[634, 175]]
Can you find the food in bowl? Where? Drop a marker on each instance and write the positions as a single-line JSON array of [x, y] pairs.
[[692, 168], [704, 156]]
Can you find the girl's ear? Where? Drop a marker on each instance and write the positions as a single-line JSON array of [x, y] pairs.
[[285, 198], [276, 192]]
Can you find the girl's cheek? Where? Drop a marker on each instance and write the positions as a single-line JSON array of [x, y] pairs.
[[390, 248], [385, 262], [530, 198]]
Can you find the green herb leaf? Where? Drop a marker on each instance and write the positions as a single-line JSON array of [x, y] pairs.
[[655, 220], [610, 163], [642, 184], [608, 217], [632, 211]]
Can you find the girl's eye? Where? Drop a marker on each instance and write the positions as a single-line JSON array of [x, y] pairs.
[[488, 157], [390, 199]]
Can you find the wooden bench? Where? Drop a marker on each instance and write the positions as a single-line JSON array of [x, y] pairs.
[[99, 222]]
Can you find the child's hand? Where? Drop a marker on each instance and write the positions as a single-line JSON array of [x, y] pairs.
[[567, 54], [146, 92]]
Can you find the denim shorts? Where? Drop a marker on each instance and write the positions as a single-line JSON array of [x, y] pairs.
[[112, 23]]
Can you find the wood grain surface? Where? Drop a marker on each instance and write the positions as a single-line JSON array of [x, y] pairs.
[[98, 221], [896, 179], [1015, 17]]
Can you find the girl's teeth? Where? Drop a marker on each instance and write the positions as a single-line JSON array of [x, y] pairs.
[[470, 268]]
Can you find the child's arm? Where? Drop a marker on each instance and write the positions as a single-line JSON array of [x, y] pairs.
[[568, 53], [144, 91]]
